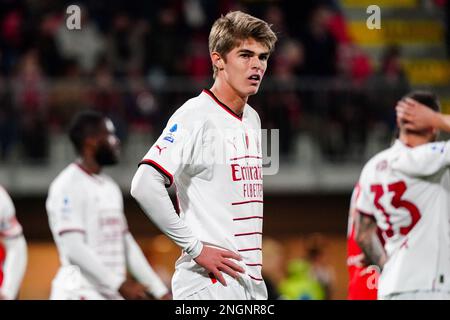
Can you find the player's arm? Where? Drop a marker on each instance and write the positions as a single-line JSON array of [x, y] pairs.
[[14, 266], [419, 117], [80, 254], [367, 239], [141, 270], [66, 208], [148, 188]]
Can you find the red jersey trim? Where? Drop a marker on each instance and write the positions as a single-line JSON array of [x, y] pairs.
[[247, 234], [160, 169], [245, 202], [366, 214], [250, 249], [7, 236], [223, 105], [255, 278], [254, 264], [245, 157], [247, 218], [84, 169], [60, 233]]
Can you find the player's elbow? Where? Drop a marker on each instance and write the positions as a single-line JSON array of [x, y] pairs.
[[147, 181], [136, 190], [363, 238], [136, 183]]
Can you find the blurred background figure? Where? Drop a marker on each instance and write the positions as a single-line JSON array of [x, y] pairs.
[[300, 284], [85, 212], [274, 258], [13, 249], [86, 45], [309, 275], [320, 267]]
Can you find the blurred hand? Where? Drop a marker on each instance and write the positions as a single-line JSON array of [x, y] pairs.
[[362, 260], [132, 290], [217, 261], [167, 296], [415, 115]]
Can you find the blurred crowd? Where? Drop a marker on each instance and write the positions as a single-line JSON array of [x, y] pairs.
[[300, 268], [138, 61]]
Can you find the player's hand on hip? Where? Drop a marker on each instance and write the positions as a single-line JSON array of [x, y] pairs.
[[132, 290], [217, 261]]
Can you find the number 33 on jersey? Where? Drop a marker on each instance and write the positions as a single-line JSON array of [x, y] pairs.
[[411, 206]]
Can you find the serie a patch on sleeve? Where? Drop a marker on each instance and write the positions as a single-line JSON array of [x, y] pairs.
[[171, 134]]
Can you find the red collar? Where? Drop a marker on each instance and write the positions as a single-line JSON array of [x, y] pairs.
[[223, 105]]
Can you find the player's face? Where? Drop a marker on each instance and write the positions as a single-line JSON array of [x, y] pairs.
[[108, 151], [245, 65]]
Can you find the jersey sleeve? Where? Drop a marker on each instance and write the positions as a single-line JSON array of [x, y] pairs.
[[9, 226], [424, 160], [174, 149], [125, 229], [364, 201], [65, 207]]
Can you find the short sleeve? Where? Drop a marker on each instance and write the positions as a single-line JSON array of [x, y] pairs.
[[9, 226], [65, 207], [364, 201], [174, 149], [424, 160]]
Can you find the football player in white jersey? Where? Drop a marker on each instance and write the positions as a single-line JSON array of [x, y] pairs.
[[85, 211], [412, 211], [13, 249], [211, 150]]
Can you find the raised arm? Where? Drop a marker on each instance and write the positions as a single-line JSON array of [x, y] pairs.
[[419, 117]]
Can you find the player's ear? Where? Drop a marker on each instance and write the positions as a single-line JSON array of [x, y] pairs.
[[217, 60]]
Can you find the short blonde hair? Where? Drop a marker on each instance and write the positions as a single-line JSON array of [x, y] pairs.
[[228, 31]]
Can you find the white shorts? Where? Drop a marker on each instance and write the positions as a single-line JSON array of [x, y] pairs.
[[69, 284], [61, 294], [216, 291], [418, 295]]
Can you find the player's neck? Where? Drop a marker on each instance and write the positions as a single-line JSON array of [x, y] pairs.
[[413, 140], [90, 166], [227, 95]]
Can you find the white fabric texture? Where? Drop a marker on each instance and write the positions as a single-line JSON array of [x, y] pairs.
[[14, 266]]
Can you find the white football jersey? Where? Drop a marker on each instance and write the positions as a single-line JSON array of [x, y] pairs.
[[91, 204], [215, 159], [413, 213], [9, 227]]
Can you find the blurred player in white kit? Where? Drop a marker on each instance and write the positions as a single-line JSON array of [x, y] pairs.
[[13, 249], [211, 150], [405, 192], [86, 217]]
